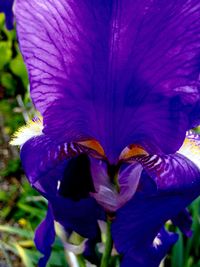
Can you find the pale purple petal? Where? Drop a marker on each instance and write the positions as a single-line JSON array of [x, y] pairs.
[[128, 182], [106, 193]]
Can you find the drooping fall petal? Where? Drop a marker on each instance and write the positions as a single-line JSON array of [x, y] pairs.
[[151, 256], [172, 183], [45, 236], [66, 184]]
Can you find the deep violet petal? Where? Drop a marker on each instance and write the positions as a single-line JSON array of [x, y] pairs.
[[138, 222], [152, 255], [120, 72], [45, 236]]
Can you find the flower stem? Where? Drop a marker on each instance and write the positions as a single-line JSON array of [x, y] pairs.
[[81, 260], [108, 246]]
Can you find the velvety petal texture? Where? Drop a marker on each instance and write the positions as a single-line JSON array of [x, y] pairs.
[[6, 6], [151, 256], [109, 66], [61, 177], [184, 221], [41, 155], [171, 184], [45, 236]]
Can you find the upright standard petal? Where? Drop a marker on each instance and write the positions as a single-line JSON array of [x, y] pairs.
[[120, 72]]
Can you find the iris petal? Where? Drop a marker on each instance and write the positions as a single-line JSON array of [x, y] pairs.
[[47, 173], [151, 256], [41, 154], [184, 221], [45, 236], [175, 186], [80, 216], [120, 72], [128, 182]]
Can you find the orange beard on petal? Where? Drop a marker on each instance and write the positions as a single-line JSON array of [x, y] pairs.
[[93, 145], [132, 151]]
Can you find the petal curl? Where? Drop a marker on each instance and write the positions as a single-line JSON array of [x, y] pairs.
[[176, 183], [128, 181], [151, 256], [40, 155], [45, 165], [107, 194], [120, 72], [184, 221], [176, 171]]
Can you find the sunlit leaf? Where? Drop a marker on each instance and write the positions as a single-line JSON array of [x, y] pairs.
[[3, 196], [16, 231], [26, 243], [177, 252], [24, 256]]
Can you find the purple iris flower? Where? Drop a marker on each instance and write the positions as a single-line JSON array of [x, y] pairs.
[[117, 84], [6, 6]]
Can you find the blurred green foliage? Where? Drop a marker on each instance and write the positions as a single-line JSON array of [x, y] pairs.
[[186, 252], [21, 208]]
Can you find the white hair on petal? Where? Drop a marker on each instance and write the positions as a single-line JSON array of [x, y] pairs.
[[33, 128]]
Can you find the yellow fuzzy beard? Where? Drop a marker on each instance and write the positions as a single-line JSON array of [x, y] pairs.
[[24, 133]]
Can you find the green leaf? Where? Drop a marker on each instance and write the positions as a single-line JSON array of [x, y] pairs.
[[177, 252], [33, 211], [5, 50], [8, 247], [13, 166], [9, 83], [26, 243], [2, 19], [57, 259], [190, 262], [3, 196], [18, 68], [108, 246], [16, 230], [24, 255], [6, 256]]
